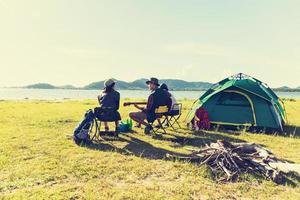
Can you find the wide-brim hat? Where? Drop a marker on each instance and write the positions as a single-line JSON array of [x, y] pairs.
[[109, 82], [154, 81]]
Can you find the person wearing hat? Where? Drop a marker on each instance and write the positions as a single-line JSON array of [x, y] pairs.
[[109, 101], [158, 97]]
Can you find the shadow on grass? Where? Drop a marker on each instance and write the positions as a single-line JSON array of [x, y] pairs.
[[288, 130], [144, 149], [197, 139], [293, 131], [290, 179], [135, 146]]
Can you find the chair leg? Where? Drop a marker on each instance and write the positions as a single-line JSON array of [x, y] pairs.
[[94, 125], [171, 124], [97, 136], [174, 120], [177, 122], [91, 131], [161, 126], [99, 129], [154, 129], [166, 119]]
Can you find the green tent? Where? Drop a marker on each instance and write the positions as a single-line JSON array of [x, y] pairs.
[[242, 100]]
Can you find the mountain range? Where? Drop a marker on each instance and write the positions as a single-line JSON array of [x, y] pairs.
[[173, 84], [139, 84]]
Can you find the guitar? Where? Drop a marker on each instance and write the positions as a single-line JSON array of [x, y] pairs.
[[134, 103]]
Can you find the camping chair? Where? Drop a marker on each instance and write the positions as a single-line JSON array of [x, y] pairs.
[[160, 112], [97, 124], [172, 117]]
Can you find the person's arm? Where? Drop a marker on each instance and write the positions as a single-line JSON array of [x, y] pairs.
[[118, 102], [149, 104], [139, 107]]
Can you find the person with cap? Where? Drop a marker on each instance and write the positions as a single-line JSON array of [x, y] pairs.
[[109, 102], [158, 97], [174, 107]]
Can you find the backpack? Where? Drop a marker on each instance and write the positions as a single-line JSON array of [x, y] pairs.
[[126, 126], [81, 133], [201, 120]]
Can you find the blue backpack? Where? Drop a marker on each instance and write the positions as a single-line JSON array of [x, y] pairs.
[[81, 133]]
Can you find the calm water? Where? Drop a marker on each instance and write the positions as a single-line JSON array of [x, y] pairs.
[[52, 94]]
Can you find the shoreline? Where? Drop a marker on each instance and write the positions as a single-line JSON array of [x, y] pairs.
[[63, 94], [292, 90]]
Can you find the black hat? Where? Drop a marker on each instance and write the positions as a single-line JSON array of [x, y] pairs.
[[164, 87], [153, 80]]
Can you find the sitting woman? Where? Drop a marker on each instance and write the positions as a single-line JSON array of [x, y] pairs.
[[109, 102]]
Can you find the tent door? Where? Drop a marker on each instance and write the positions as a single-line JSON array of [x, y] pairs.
[[234, 108]]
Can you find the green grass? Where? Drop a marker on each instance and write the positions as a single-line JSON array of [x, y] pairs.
[[38, 159]]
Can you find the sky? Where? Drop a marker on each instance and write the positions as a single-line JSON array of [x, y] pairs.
[[81, 41]]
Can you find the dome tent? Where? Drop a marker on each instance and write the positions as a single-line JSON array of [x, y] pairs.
[[241, 100]]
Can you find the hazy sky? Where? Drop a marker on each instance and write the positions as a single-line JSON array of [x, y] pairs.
[[80, 41]]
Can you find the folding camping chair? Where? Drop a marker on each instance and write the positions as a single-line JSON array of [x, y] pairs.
[[95, 130], [160, 112], [172, 117]]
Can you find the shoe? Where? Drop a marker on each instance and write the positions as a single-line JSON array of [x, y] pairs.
[[148, 129], [137, 126]]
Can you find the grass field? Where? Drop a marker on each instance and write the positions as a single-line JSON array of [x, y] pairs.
[[39, 160]]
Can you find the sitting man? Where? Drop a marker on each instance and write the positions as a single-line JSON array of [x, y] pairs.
[[109, 102], [157, 98]]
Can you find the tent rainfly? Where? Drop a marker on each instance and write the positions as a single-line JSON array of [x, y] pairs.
[[241, 100]]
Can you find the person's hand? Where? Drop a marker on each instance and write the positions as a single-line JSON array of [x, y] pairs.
[[138, 107]]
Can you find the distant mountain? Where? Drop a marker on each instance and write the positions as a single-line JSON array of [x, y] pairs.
[[173, 84], [67, 87], [284, 88], [98, 85], [287, 89], [140, 83], [41, 86], [49, 86]]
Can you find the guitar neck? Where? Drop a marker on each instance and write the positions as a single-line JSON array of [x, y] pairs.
[[135, 103]]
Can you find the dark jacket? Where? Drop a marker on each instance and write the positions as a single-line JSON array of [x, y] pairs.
[[110, 100], [158, 98], [109, 106]]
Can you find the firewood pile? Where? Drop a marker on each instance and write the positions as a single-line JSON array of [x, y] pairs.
[[228, 161]]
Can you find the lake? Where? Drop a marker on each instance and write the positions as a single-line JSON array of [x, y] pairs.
[[57, 94]]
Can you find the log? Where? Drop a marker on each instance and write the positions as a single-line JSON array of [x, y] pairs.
[[286, 167]]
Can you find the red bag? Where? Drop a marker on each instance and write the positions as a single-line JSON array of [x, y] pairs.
[[201, 120]]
